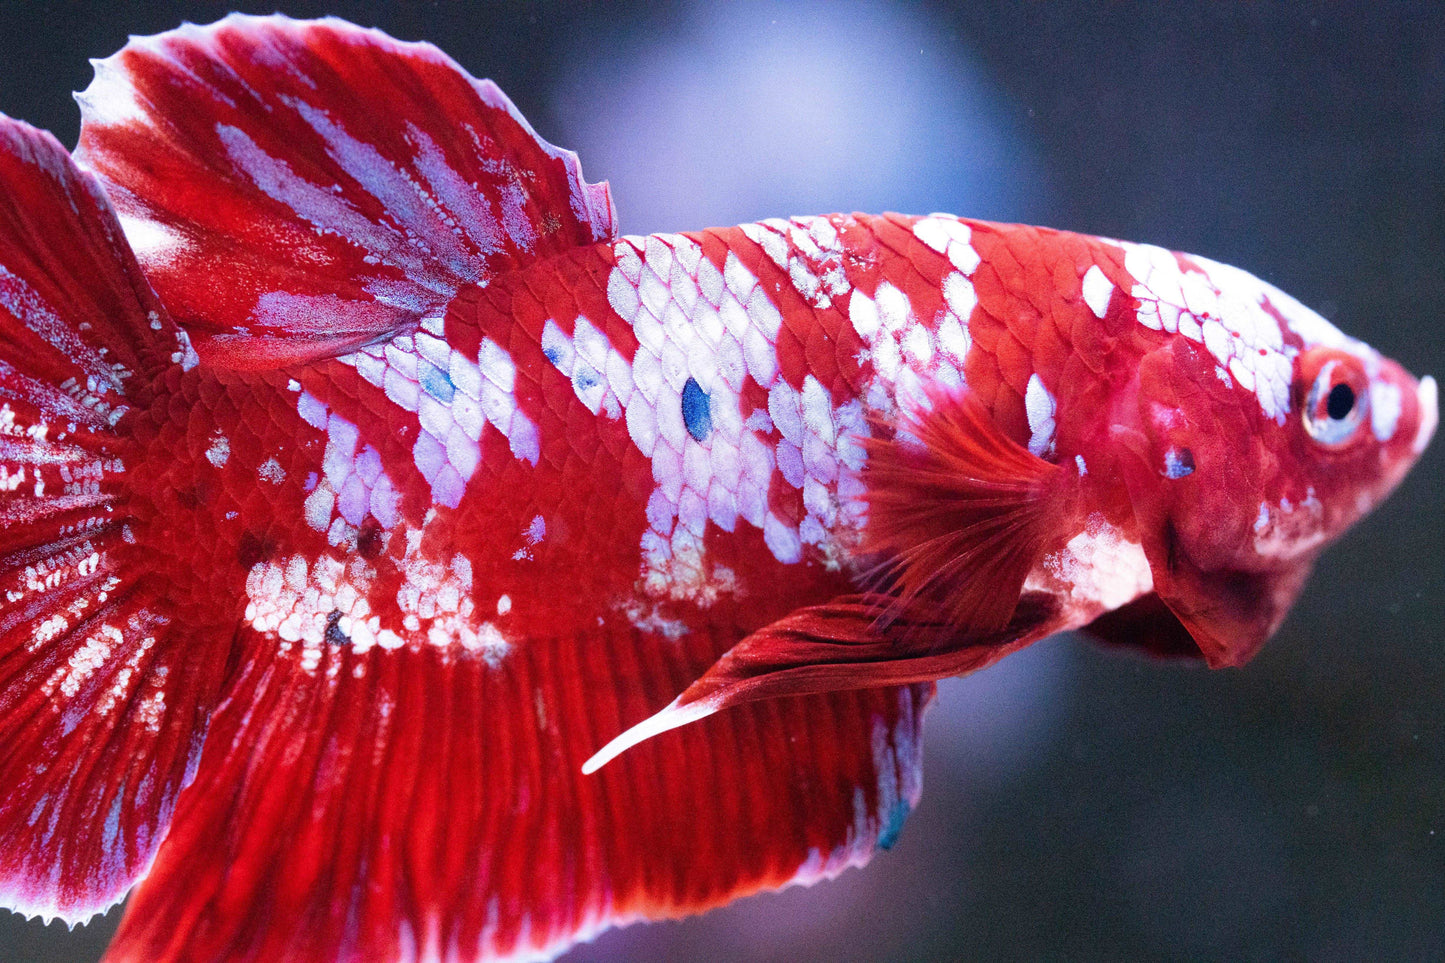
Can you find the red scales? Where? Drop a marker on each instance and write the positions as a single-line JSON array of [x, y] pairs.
[[355, 578]]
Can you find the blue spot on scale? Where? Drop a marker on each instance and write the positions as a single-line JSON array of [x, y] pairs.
[[436, 382], [584, 377], [696, 410], [1178, 463]]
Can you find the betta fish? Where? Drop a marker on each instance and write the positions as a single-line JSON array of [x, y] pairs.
[[399, 563]]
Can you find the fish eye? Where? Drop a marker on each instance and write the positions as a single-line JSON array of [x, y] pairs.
[[1341, 402], [1334, 407]]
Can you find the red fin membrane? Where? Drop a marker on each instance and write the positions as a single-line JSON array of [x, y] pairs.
[[850, 643], [960, 513], [405, 805], [298, 189], [100, 718]]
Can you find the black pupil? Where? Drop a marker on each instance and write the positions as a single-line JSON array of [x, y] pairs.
[[1341, 401]]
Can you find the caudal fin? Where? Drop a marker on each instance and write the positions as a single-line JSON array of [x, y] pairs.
[[100, 720]]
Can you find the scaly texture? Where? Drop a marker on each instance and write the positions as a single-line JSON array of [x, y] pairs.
[[459, 486]]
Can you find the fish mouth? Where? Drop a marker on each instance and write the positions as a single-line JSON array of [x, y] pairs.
[[1427, 394]]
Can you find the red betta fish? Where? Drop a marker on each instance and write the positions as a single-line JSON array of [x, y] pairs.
[[368, 528]]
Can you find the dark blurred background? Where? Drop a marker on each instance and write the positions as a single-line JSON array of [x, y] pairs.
[[1078, 805]]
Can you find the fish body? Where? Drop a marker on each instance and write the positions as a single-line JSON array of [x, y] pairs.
[[368, 530]]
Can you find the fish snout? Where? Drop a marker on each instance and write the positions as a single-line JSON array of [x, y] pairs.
[[1426, 394]]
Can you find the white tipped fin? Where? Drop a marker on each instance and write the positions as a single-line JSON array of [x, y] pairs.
[[673, 717]]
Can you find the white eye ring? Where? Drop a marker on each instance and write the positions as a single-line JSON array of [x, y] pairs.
[[1322, 406]]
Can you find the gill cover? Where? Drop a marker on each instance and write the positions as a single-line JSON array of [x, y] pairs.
[[1194, 501]]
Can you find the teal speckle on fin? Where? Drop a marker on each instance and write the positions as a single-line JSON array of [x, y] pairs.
[[894, 827]]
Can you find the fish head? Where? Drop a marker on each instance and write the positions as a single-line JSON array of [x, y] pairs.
[[1259, 434]]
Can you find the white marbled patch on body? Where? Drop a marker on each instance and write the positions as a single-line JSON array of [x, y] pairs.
[[1229, 312], [1096, 571], [454, 398], [1040, 408], [1097, 290], [1284, 530], [1231, 323], [352, 484], [219, 451], [716, 328], [809, 249], [1385, 408], [1428, 394], [309, 604], [950, 237]]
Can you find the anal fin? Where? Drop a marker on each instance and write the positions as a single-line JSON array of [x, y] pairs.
[[385, 803]]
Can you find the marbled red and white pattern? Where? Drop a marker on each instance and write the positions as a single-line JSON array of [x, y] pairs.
[[456, 486]]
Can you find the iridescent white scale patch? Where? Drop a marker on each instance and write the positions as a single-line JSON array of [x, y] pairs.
[[1229, 312], [701, 331], [454, 398], [308, 604]]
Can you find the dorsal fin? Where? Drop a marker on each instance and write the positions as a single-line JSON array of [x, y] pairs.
[[297, 189]]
